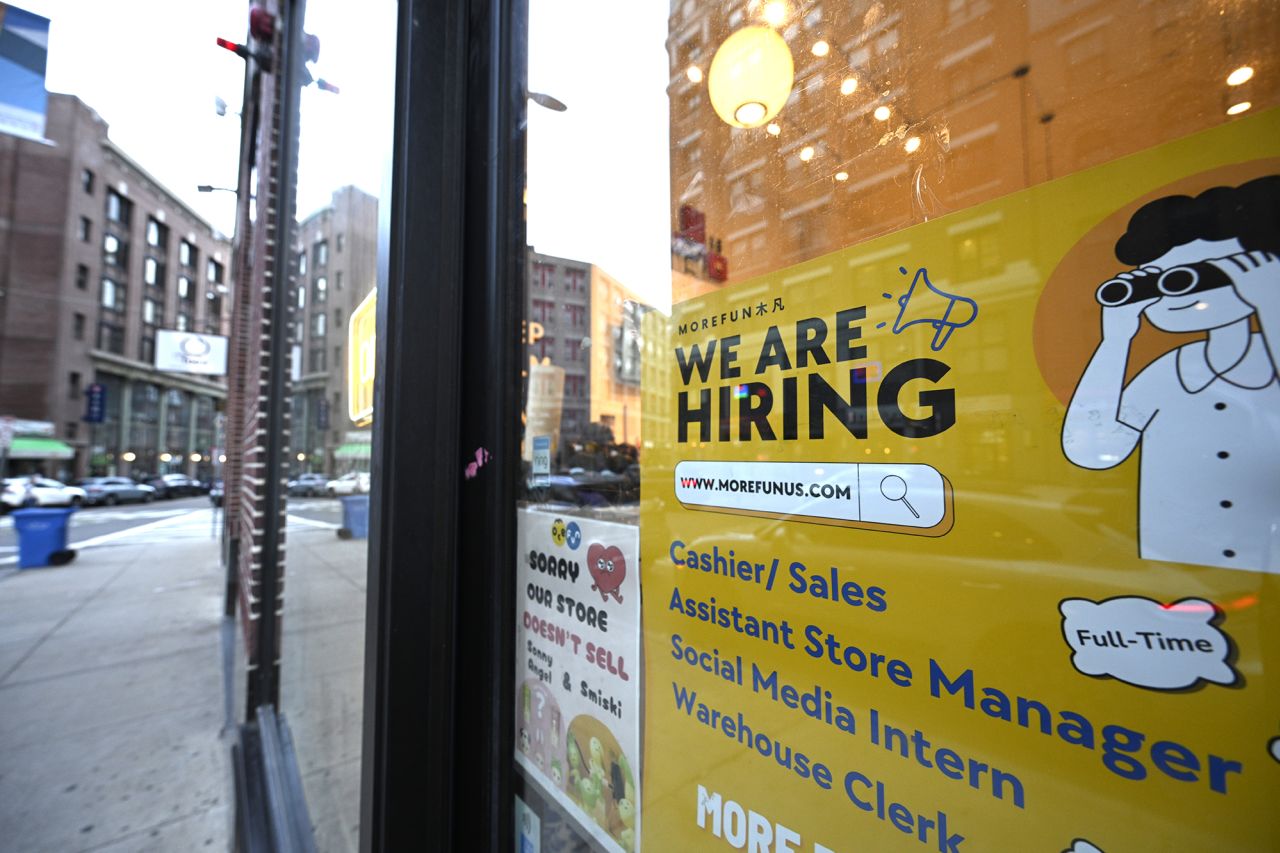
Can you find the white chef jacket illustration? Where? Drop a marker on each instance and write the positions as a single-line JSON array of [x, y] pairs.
[[1210, 458]]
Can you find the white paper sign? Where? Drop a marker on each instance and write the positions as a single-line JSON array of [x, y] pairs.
[[578, 669]]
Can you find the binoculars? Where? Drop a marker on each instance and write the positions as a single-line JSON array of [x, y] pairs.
[[1175, 281]]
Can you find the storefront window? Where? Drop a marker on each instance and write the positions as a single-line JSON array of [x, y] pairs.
[[887, 354], [340, 186]]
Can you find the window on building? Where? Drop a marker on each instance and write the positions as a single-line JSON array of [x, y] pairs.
[[70, 429], [317, 361], [543, 310], [82, 277], [115, 252], [341, 241], [150, 312], [337, 356], [543, 274], [321, 253], [147, 349], [77, 326], [73, 385], [337, 280], [214, 272], [213, 320], [577, 315], [157, 233], [337, 318], [546, 347], [184, 322], [318, 325], [151, 271], [576, 281], [113, 294], [302, 263], [119, 208], [86, 181], [575, 386], [321, 290], [187, 254], [186, 292], [111, 337], [299, 330], [302, 297], [86, 229]]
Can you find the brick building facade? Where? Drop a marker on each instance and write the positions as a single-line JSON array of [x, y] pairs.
[[96, 256]]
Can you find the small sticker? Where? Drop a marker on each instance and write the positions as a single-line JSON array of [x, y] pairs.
[[542, 462], [528, 828], [559, 532], [573, 535]]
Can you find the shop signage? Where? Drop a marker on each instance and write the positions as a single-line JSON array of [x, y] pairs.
[[958, 539], [188, 352], [95, 403], [578, 670], [362, 350]]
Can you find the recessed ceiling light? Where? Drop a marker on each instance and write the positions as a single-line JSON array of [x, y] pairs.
[[773, 128], [849, 85], [1243, 74], [881, 113], [694, 73], [1236, 109], [912, 144], [820, 48], [806, 153], [842, 176]]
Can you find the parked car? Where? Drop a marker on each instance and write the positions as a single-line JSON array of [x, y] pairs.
[[308, 485], [176, 486], [353, 483], [115, 490], [215, 493], [40, 491]]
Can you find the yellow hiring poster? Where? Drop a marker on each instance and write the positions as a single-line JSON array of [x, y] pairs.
[[967, 538]]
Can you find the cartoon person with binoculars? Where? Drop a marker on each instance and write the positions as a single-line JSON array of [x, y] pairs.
[[1207, 413]]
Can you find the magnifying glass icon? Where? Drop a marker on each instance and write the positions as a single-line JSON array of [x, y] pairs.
[[894, 488]]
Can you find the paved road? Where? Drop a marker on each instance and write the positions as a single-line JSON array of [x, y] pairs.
[[185, 519]]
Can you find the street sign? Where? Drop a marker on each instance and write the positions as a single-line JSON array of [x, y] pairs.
[[95, 398]]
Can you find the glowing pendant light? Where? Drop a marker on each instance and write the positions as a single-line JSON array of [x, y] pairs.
[[751, 77]]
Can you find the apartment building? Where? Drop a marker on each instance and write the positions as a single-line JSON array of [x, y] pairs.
[[96, 257], [337, 266]]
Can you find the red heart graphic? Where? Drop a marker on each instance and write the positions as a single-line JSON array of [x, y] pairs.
[[608, 570]]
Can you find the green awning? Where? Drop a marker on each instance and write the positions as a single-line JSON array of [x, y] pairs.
[[355, 450], [28, 447]]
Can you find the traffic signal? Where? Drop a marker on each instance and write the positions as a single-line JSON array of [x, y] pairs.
[[262, 27]]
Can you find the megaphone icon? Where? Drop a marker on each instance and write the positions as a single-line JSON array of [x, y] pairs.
[[945, 312]]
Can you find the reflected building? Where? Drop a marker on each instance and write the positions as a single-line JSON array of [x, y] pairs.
[[897, 118], [336, 268], [588, 324], [96, 256]]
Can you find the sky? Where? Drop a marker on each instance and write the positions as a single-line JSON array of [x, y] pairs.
[[598, 184]]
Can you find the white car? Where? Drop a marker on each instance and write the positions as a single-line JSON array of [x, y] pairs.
[[42, 492], [354, 483]]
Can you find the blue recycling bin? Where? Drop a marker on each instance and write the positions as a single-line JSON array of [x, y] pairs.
[[42, 536], [355, 517]]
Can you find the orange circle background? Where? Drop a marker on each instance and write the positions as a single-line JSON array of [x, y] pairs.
[[1068, 322]]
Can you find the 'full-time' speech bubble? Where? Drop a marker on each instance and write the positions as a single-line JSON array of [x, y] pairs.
[[1148, 644]]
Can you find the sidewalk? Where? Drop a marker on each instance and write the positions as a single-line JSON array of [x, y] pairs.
[[111, 699]]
